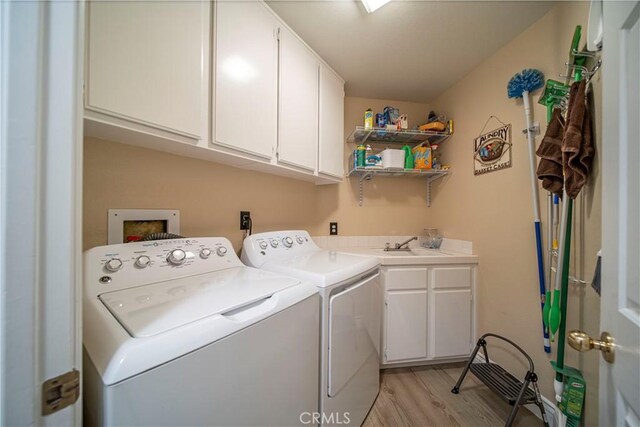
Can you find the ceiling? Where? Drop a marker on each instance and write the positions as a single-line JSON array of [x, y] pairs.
[[407, 50]]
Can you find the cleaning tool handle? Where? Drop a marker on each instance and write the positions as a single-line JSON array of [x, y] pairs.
[[564, 291], [545, 331]]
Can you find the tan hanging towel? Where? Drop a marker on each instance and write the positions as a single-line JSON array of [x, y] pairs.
[[577, 144], [550, 153]]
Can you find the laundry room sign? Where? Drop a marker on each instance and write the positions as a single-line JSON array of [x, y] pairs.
[[492, 150]]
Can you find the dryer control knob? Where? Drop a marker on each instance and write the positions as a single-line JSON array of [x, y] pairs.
[[287, 241], [113, 265], [221, 251], [274, 243], [300, 240], [263, 245], [177, 257], [143, 261], [205, 253]]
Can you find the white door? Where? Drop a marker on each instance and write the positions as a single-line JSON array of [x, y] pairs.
[[246, 78], [297, 103], [41, 202], [620, 306], [331, 132]]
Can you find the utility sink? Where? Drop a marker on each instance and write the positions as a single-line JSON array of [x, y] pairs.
[[411, 252]]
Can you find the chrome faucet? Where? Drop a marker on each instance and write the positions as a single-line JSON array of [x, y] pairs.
[[399, 246]]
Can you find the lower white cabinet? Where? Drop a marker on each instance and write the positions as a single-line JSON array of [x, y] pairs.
[[429, 313]]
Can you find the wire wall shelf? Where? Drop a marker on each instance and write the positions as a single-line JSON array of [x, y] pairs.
[[366, 174], [381, 135]]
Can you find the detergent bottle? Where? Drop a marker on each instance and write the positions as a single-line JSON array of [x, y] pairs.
[[408, 157]]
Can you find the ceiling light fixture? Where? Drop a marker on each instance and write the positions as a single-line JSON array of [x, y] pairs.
[[373, 5]]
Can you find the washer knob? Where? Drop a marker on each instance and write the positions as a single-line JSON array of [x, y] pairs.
[[274, 243], [221, 251], [300, 240], [177, 257], [205, 253], [113, 265], [143, 261], [287, 241], [263, 245]]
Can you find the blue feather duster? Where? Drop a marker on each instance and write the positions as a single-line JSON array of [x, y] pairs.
[[526, 81]]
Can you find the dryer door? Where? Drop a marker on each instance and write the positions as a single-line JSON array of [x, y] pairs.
[[354, 334]]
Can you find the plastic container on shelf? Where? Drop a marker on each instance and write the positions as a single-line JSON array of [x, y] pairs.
[[392, 159]]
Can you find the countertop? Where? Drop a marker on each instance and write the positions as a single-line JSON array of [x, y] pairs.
[[416, 256]]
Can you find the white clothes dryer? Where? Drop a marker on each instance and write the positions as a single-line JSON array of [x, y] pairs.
[[349, 287]]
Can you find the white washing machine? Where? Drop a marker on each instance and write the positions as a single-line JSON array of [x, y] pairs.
[[180, 332], [349, 286]]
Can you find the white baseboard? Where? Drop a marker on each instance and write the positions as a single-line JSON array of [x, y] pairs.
[[549, 406]]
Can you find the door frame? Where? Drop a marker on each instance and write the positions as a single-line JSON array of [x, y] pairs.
[[41, 91]]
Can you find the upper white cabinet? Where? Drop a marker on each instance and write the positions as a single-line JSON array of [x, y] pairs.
[[146, 65], [228, 78], [298, 103], [246, 73], [331, 141]]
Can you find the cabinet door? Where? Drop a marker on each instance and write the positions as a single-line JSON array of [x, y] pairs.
[[331, 131], [146, 63], [246, 85], [405, 326], [450, 323], [297, 103]]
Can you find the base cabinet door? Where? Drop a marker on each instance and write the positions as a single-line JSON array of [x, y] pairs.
[[246, 73], [145, 64], [405, 326], [450, 323]]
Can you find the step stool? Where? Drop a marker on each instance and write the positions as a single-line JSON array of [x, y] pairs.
[[502, 383]]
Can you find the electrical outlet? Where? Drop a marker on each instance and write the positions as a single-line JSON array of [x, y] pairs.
[[333, 228], [245, 220]]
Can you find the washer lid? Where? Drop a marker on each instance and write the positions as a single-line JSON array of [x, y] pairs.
[[323, 268], [152, 309]]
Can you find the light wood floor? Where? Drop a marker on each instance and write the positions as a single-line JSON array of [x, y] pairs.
[[421, 397]]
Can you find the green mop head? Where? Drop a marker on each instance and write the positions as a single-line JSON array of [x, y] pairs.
[[526, 81], [553, 92]]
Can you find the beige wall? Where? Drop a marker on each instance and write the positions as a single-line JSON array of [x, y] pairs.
[[208, 195], [494, 210], [392, 205]]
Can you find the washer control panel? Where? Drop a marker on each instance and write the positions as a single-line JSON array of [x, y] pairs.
[[139, 263], [260, 247]]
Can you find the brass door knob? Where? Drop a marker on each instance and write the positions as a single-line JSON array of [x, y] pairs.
[[580, 341]]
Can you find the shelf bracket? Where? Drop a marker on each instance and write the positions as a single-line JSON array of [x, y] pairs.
[[429, 181]]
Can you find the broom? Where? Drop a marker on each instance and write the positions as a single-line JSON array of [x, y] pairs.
[[520, 86]]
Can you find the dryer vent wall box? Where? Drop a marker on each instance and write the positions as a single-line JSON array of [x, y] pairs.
[[131, 225]]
